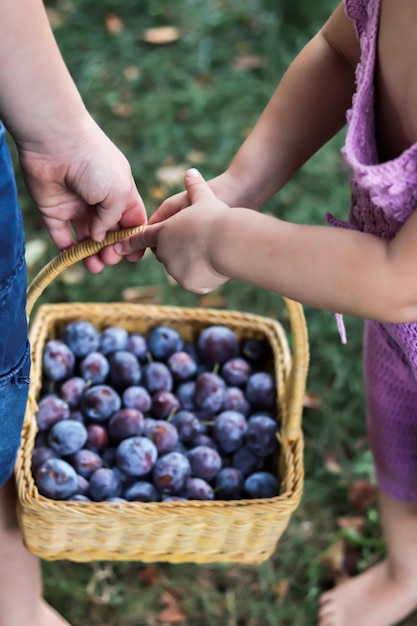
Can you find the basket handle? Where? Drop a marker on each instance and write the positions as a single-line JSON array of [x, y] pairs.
[[298, 372], [300, 358], [68, 257]]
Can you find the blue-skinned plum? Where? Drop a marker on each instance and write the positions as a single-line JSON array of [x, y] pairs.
[[104, 484], [58, 361], [82, 337], [136, 456], [217, 344], [99, 402], [164, 341], [67, 437], [170, 473], [56, 479]]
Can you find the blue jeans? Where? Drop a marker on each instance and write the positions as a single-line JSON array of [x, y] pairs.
[[14, 345]]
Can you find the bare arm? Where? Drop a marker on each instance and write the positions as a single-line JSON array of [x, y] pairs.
[[75, 174], [307, 109]]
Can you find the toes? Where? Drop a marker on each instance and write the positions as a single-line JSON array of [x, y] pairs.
[[326, 614]]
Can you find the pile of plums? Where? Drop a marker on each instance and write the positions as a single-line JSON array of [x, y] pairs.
[[127, 417]]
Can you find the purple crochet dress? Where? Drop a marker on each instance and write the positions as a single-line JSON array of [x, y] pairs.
[[384, 194]]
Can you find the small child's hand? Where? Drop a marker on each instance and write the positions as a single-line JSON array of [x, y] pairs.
[[185, 240]]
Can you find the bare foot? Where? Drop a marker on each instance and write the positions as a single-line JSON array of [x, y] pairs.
[[49, 617], [370, 599]]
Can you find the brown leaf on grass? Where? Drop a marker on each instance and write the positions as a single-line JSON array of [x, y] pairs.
[[362, 494], [122, 109], [311, 400], [333, 559], [172, 611], [131, 72], [332, 465], [158, 193], [55, 18], [161, 35], [73, 275], [213, 300], [172, 175], [196, 156], [150, 576], [144, 295], [35, 251], [280, 589], [113, 23], [351, 521], [248, 62]]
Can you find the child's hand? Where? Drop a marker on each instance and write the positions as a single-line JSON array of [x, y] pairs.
[[227, 187], [185, 241]]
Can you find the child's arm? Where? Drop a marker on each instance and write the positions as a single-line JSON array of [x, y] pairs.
[[308, 107], [75, 174], [338, 270]]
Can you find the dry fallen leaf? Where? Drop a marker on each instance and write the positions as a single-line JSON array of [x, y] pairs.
[[354, 522], [332, 465], [311, 400], [73, 275], [35, 251], [150, 576], [213, 300], [281, 588], [362, 494], [172, 175], [172, 611], [333, 559], [158, 193], [113, 23], [248, 62], [131, 72], [161, 35], [144, 295], [122, 109], [55, 18]]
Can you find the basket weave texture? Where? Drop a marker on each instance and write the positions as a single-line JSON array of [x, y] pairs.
[[241, 531]]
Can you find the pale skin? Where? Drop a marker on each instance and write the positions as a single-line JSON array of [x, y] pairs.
[[213, 232], [78, 180]]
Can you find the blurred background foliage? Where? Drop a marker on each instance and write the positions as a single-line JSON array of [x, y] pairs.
[[180, 84]]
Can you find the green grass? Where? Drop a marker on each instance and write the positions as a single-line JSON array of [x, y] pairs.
[[178, 99]]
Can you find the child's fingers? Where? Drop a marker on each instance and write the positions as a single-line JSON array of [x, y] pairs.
[[197, 187], [146, 238]]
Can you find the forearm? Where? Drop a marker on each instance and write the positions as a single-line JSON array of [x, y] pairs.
[[37, 93], [307, 109], [337, 270]]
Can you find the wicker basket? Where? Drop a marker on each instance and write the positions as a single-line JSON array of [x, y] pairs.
[[242, 531]]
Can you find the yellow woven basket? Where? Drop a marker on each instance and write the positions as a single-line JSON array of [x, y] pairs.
[[241, 531]]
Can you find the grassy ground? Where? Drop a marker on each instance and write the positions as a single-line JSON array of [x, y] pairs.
[[191, 102]]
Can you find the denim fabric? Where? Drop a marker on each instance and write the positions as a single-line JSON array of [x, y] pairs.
[[14, 352]]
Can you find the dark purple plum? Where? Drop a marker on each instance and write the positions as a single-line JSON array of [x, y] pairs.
[[108, 456], [235, 400], [77, 416], [157, 377], [205, 462], [148, 424], [125, 423], [229, 484], [40, 455], [141, 491], [210, 392], [67, 437], [198, 489], [228, 430], [261, 485], [164, 341], [182, 366], [256, 351], [85, 462], [99, 402], [136, 456], [125, 369], [170, 473], [82, 337], [185, 393], [137, 397], [113, 338], [164, 404], [58, 361], [95, 368], [261, 390], [166, 498], [261, 435], [201, 439], [79, 497], [97, 437], [246, 461], [236, 372], [56, 479], [164, 435], [83, 486], [104, 484], [51, 409], [217, 344], [71, 391], [187, 425], [137, 345]]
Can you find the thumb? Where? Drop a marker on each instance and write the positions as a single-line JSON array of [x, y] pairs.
[[197, 187]]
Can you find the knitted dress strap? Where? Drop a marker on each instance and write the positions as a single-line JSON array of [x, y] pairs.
[[357, 11]]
